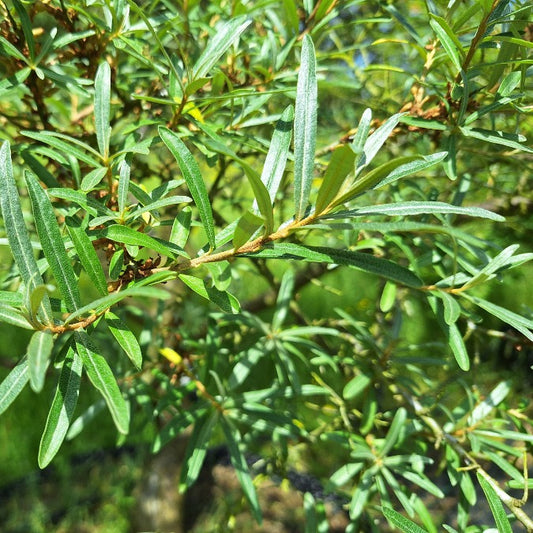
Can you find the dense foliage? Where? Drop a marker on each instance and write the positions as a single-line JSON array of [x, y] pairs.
[[280, 226]]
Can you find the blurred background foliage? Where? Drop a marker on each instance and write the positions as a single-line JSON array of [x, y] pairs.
[[374, 348]]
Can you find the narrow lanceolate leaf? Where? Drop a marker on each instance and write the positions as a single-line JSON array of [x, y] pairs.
[[196, 449], [193, 177], [233, 438], [226, 301], [401, 522], [341, 164], [376, 141], [511, 140], [278, 152], [181, 227], [123, 186], [416, 208], [102, 97], [393, 434], [361, 261], [127, 235], [39, 350], [17, 234], [224, 37], [87, 254], [498, 511], [448, 39], [125, 338], [452, 333], [103, 380], [62, 409], [361, 135], [13, 384], [305, 124], [52, 243], [13, 316]]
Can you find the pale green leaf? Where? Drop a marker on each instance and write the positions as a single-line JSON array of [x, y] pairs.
[[62, 409], [13, 384], [393, 434], [125, 338], [226, 34], [247, 225], [448, 39], [305, 127], [52, 243], [356, 386], [123, 186], [226, 301], [181, 227], [38, 352], [17, 234], [102, 98], [13, 316], [340, 165], [510, 140], [484, 408], [103, 380]]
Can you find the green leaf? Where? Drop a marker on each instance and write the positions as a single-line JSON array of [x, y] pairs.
[[226, 301], [91, 180], [484, 408], [356, 386], [39, 350], [127, 235], [278, 151], [103, 380], [226, 34], [401, 522], [341, 164], [452, 310], [123, 186], [521, 324], [13, 316], [13, 384], [511, 140], [453, 335], [393, 434], [52, 243], [388, 297], [125, 338], [27, 28], [116, 264], [361, 261], [246, 226], [305, 126], [361, 135], [496, 506], [376, 141], [66, 144], [100, 305], [361, 494], [62, 409], [87, 254], [193, 177], [102, 98], [415, 208], [17, 234], [283, 300], [196, 449], [181, 227], [233, 441], [448, 39]]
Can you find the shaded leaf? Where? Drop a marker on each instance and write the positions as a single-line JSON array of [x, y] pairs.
[[13, 384], [62, 409], [103, 380], [38, 352], [125, 338]]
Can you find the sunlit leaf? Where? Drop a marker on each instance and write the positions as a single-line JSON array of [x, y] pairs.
[[193, 177], [496, 506], [401, 522], [226, 301], [305, 125], [52, 243], [125, 338], [102, 97]]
